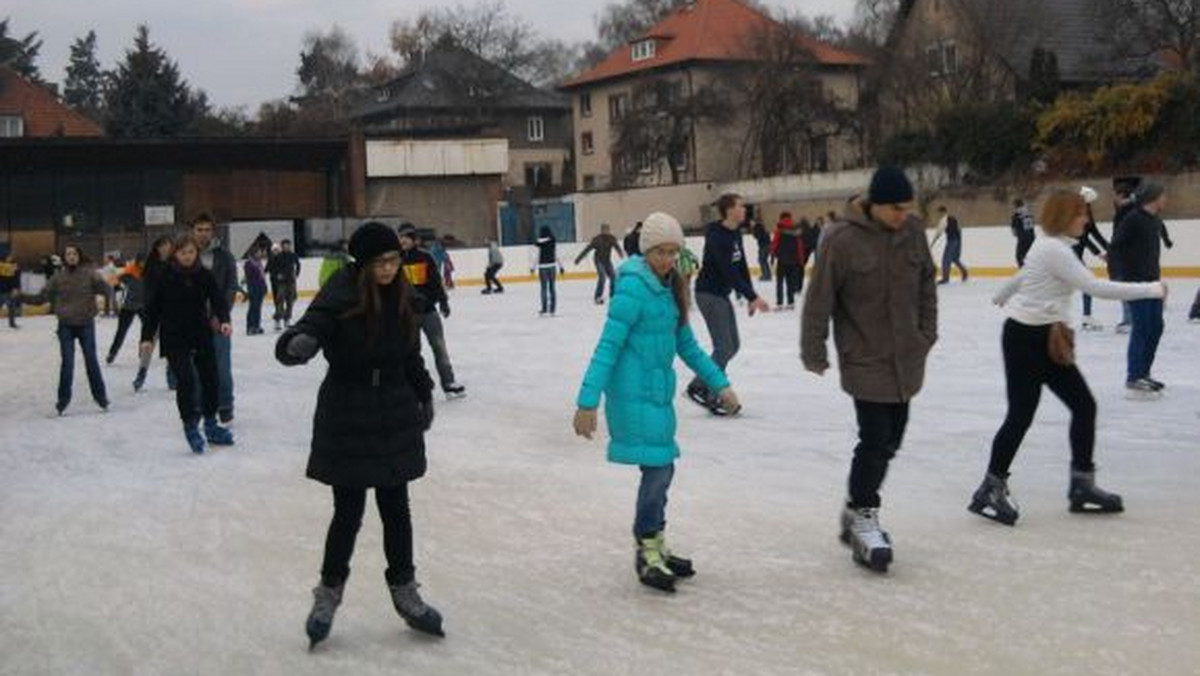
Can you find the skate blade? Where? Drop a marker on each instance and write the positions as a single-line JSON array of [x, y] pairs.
[[428, 629], [668, 587], [878, 562], [988, 512], [1088, 508]]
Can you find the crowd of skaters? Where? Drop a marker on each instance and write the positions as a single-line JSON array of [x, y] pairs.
[[873, 267]]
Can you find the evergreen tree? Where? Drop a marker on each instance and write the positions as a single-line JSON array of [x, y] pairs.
[[148, 97], [19, 54], [85, 84]]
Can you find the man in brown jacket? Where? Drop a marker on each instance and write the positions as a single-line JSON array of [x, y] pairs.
[[875, 278]]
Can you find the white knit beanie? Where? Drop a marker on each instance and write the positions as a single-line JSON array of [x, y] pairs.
[[659, 228]]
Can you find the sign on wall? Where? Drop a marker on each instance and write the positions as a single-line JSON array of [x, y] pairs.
[[159, 214]]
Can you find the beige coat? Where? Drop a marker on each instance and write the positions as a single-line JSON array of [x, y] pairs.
[[878, 287]]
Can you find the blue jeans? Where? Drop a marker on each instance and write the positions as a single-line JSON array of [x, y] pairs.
[[86, 335], [605, 273], [223, 345], [651, 514], [546, 277], [254, 313], [1147, 328]]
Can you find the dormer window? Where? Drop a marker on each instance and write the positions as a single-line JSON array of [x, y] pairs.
[[643, 50]]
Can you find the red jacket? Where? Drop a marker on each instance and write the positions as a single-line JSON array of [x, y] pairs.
[[787, 247]]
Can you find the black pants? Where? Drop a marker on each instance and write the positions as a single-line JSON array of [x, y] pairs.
[[124, 320], [880, 433], [489, 276], [188, 365], [348, 506], [1023, 244], [1193, 314], [790, 276], [1027, 367]]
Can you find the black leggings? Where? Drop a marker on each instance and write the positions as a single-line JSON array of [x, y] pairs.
[[348, 506], [790, 276], [1027, 367], [188, 366]]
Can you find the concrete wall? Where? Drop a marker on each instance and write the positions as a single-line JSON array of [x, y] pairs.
[[462, 205], [987, 251]]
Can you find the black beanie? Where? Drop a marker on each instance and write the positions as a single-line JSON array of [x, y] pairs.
[[889, 185], [371, 240]]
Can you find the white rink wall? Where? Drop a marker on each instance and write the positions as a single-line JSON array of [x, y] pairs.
[[989, 250]]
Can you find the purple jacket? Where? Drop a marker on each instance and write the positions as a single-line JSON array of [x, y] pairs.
[[256, 279]]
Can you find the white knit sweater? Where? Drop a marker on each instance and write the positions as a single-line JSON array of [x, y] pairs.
[[1041, 292]]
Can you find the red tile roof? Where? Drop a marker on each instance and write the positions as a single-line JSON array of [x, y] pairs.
[[42, 112], [706, 30]]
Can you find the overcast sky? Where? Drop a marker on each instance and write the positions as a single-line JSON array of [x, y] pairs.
[[244, 52]]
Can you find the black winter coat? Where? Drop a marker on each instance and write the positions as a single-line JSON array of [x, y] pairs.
[[1135, 245], [179, 307], [368, 430]]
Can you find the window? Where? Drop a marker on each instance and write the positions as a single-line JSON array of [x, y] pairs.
[[942, 58], [645, 162], [643, 50], [11, 126], [589, 181], [618, 107], [585, 105], [681, 161], [539, 177], [537, 128], [586, 143]]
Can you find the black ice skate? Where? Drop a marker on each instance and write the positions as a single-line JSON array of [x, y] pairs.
[[651, 565], [869, 544], [699, 394], [320, 619], [455, 391], [418, 614], [1086, 497], [992, 501]]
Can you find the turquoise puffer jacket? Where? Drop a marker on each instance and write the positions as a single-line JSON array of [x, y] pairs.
[[634, 367]]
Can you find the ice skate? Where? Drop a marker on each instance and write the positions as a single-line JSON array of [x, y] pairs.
[[139, 380], [1085, 496], [320, 619], [870, 545], [191, 432], [678, 565], [418, 614], [215, 434], [699, 394], [455, 391], [1142, 390], [651, 566], [993, 501]]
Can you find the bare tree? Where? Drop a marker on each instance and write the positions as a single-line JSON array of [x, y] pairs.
[[658, 130], [874, 20], [491, 31], [791, 118], [1141, 29]]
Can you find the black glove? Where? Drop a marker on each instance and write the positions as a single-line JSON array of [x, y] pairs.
[[425, 411], [303, 346], [444, 307]]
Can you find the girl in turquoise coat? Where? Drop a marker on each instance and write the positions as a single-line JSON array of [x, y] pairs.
[[633, 367]]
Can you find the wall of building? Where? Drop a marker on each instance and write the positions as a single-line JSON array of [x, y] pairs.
[[464, 206]]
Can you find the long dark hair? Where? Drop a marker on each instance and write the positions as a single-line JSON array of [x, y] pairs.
[[370, 305]]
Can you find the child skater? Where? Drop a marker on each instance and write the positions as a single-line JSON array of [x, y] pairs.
[[1037, 300], [184, 308], [633, 367], [373, 410]]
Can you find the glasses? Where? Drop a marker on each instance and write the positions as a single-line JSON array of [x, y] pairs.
[[388, 260]]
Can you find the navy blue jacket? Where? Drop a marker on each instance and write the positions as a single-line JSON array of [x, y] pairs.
[[724, 266]]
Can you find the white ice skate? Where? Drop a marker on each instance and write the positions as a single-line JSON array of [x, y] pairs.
[[870, 545]]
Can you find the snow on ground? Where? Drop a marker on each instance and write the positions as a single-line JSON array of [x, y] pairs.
[[122, 553]]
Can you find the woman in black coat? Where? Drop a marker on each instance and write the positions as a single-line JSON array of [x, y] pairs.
[[373, 410], [183, 310]]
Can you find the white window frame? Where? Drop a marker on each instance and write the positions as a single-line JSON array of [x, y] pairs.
[[585, 104], [645, 163], [536, 126], [642, 50], [12, 126], [587, 143]]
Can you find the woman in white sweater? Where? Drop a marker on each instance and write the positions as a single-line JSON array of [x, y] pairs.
[[1037, 298]]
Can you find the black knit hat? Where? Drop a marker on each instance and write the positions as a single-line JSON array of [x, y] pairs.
[[371, 240], [889, 185]]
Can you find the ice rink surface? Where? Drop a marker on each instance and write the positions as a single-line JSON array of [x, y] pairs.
[[122, 553]]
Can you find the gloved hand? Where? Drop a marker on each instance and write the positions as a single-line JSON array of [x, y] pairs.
[[303, 346], [444, 307], [425, 410]]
